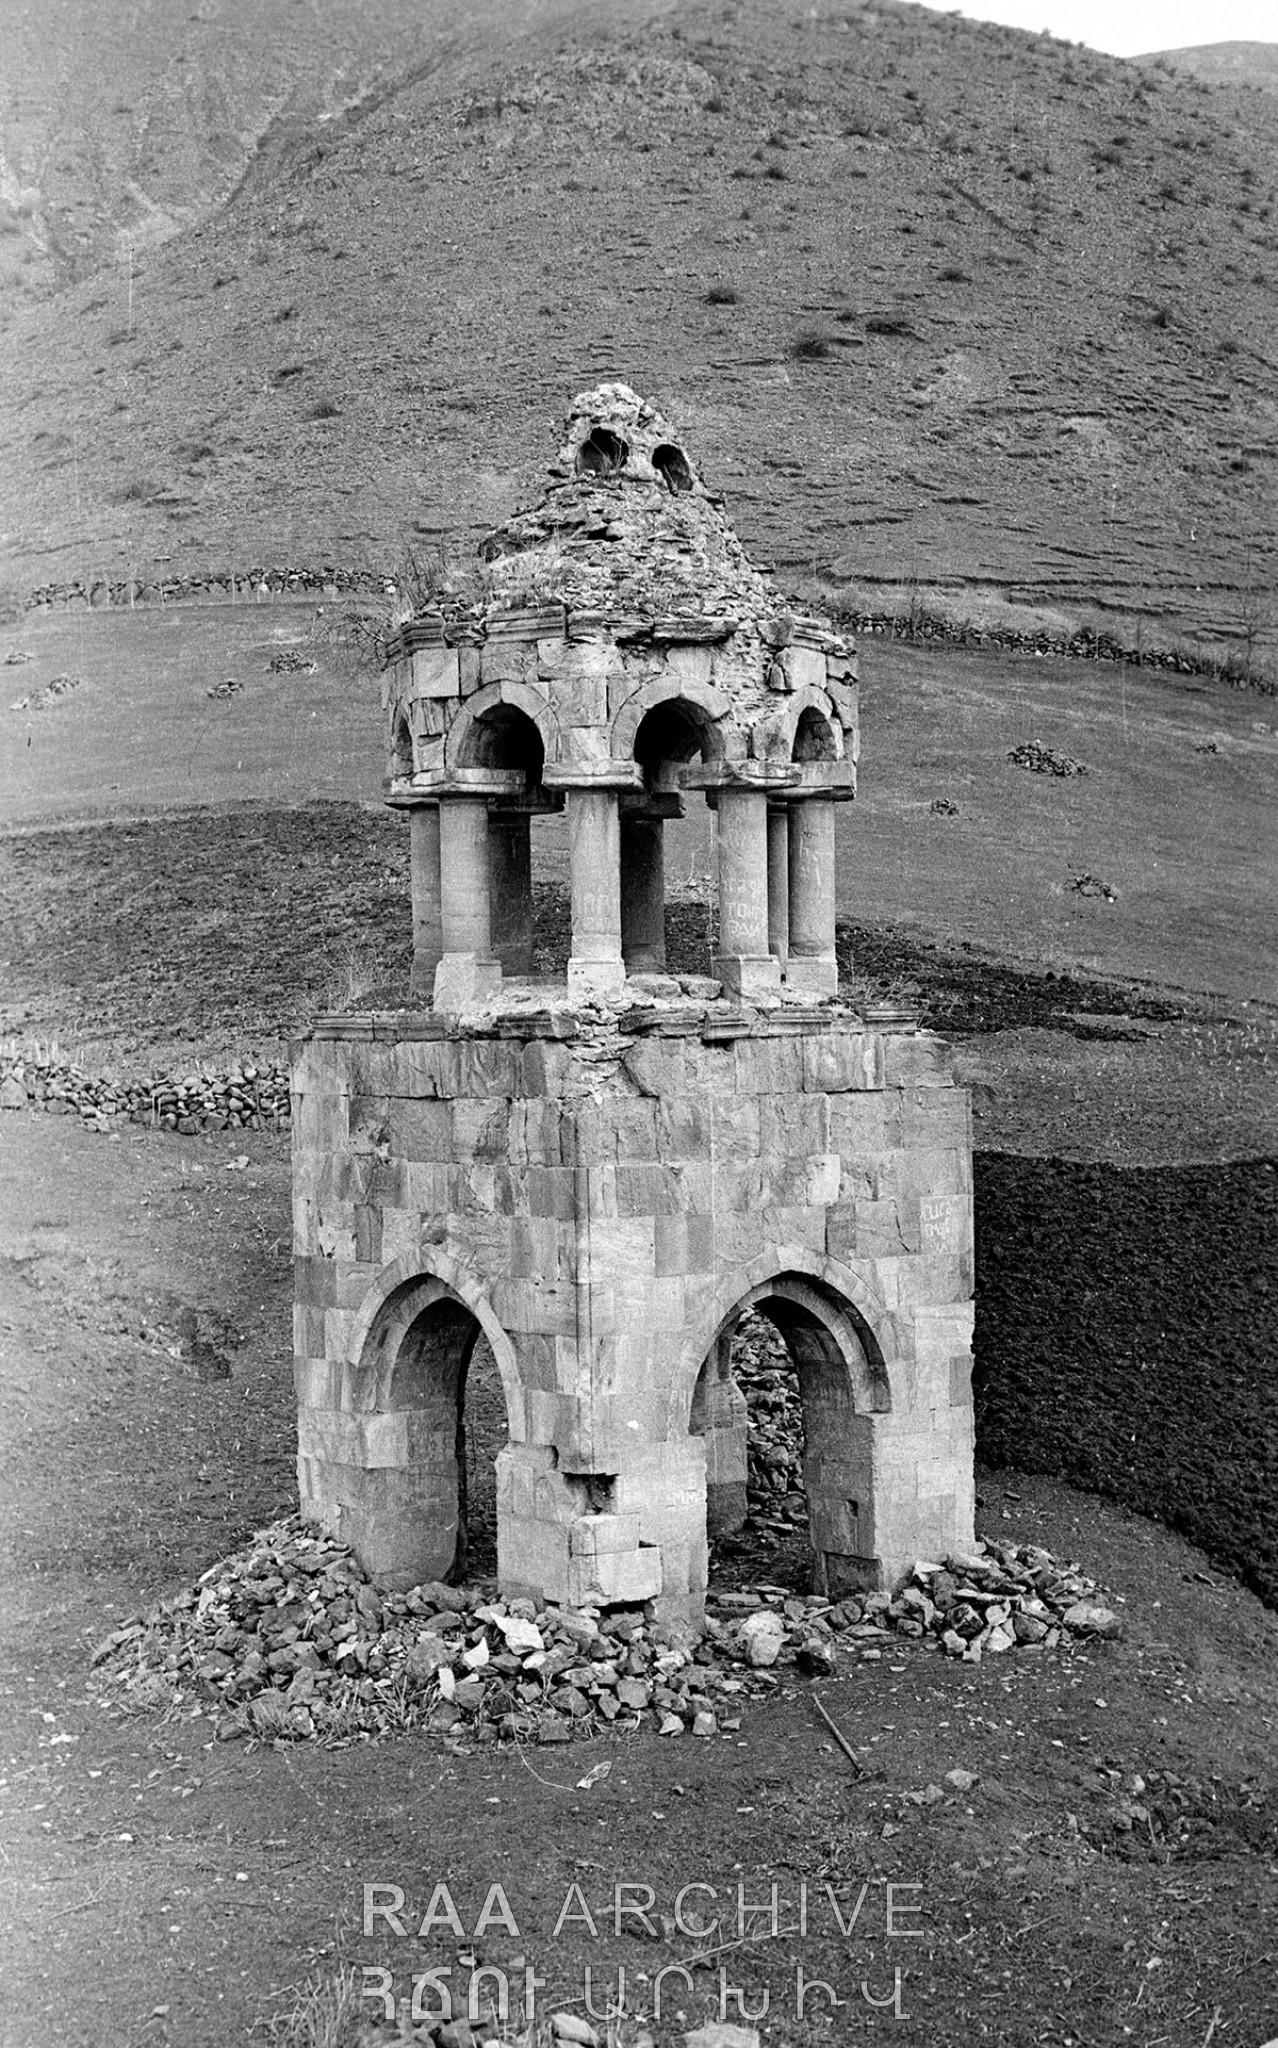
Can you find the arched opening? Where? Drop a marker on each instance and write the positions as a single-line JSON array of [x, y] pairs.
[[506, 738], [669, 736], [814, 738], [602, 453], [428, 1507], [401, 747], [671, 465], [785, 1402]]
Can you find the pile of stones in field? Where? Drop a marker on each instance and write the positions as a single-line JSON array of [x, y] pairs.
[[39, 700], [287, 1639], [1041, 760], [252, 585], [246, 1097]]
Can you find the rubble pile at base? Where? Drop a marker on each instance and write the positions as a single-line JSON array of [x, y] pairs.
[[288, 1639]]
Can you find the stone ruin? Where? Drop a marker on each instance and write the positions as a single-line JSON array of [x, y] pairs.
[[602, 1178]]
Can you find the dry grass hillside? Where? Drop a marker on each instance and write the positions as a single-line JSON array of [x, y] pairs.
[[934, 300], [1247, 64]]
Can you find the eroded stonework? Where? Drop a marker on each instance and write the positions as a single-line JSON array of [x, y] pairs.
[[602, 1178]]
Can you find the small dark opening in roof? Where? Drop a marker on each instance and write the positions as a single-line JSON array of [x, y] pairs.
[[602, 453], [671, 464]]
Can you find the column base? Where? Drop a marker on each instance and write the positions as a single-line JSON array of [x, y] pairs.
[[745, 974], [588, 978], [817, 974], [464, 978], [421, 977], [650, 960]]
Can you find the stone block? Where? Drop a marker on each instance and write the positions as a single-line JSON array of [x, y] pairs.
[[590, 978], [534, 1248], [434, 673], [309, 1336], [823, 1179], [547, 1308], [815, 974], [915, 1059], [321, 1122], [602, 1535], [535, 1133], [792, 1126], [420, 1130], [532, 1559], [317, 1383], [462, 979], [552, 1192], [480, 1128], [747, 975], [634, 1126], [545, 1068], [682, 1129], [682, 1245], [618, 1252], [595, 1191], [508, 661], [768, 1066], [864, 1125], [940, 1118], [836, 1061], [314, 1281], [388, 1183], [835, 1525], [804, 668], [488, 1067], [618, 1577], [401, 1234], [640, 1190], [657, 1067]]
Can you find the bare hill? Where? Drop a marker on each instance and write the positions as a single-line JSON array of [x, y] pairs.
[[936, 300], [1246, 64]]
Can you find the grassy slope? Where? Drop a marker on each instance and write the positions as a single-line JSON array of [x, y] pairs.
[[1078, 256], [1193, 906]]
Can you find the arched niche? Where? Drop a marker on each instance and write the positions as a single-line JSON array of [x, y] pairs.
[[426, 1380], [842, 1386]]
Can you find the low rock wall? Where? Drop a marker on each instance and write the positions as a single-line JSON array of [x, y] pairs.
[[245, 1097]]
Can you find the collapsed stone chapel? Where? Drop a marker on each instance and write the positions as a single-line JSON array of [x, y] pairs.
[[602, 1178]]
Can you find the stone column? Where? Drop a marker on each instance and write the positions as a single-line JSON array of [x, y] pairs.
[[744, 965], [643, 894], [510, 889], [428, 934], [594, 853], [467, 971], [779, 881], [812, 964]]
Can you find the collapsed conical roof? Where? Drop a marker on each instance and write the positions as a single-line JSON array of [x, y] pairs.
[[625, 526]]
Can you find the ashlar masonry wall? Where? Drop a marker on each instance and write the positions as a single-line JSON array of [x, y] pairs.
[[604, 1196]]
